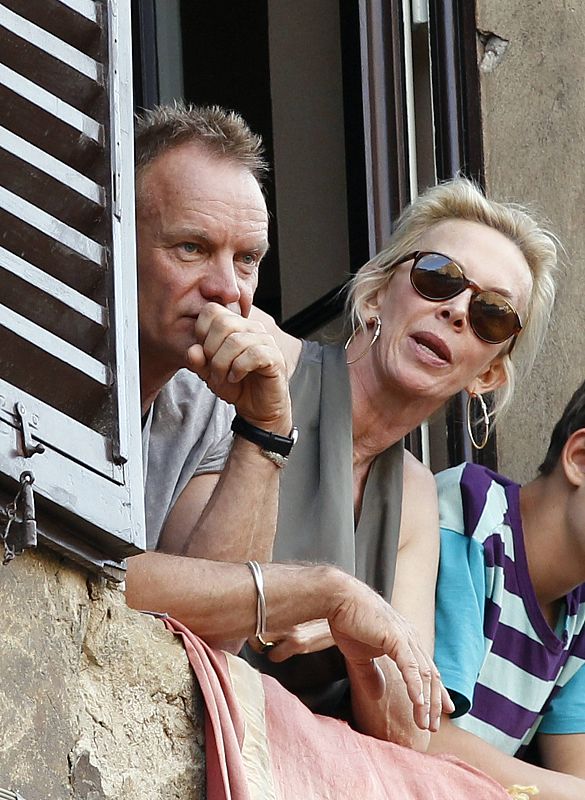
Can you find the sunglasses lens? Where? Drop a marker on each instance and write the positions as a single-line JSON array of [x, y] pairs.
[[492, 318], [436, 277]]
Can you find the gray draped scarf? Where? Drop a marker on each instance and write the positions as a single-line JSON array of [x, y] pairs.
[[316, 516]]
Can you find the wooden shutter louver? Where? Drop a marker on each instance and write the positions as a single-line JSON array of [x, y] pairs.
[[68, 350]]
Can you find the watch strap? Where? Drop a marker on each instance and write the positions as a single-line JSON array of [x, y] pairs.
[[271, 442]]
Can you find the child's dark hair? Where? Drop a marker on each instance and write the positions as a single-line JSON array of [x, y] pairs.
[[573, 418]]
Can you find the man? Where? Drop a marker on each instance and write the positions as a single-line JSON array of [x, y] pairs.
[[510, 635], [202, 231]]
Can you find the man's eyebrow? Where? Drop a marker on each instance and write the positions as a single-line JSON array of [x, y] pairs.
[[187, 232], [263, 247]]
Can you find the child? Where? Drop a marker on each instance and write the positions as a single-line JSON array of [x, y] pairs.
[[510, 615]]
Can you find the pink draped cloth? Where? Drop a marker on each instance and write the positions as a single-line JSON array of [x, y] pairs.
[[262, 743]]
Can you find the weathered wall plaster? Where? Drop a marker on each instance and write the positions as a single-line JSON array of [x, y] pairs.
[[97, 702], [533, 106]]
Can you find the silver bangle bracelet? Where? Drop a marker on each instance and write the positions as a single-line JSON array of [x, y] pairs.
[[260, 634]]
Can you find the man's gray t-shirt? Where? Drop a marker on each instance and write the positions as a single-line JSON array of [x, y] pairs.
[[186, 433]]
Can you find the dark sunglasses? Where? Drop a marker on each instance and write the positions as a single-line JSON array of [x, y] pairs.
[[437, 277]]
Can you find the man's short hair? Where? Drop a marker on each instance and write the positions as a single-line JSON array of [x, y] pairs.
[[220, 132], [573, 418]]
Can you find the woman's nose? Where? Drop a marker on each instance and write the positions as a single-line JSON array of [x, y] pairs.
[[456, 310]]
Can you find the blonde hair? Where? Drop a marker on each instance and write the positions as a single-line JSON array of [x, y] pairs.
[[461, 198]]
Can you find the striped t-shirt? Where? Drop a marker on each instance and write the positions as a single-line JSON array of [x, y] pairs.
[[508, 673]]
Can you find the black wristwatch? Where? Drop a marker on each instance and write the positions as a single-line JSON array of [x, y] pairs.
[[268, 441]]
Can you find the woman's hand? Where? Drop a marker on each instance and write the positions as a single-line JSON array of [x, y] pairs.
[[306, 637]]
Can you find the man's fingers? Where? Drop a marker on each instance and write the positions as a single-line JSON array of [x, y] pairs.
[[425, 689], [426, 716], [242, 354], [436, 708], [197, 361], [262, 357], [447, 702], [410, 670], [215, 324]]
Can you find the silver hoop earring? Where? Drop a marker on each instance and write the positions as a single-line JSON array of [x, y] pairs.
[[374, 339], [486, 420]]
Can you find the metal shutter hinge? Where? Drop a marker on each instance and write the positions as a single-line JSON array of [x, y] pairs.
[[20, 525]]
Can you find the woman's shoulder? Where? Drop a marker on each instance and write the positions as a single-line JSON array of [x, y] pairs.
[[415, 469], [416, 476]]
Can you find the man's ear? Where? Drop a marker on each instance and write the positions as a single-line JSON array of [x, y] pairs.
[[573, 458], [493, 376]]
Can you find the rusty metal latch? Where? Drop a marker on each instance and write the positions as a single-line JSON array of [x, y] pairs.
[[28, 447], [20, 525]]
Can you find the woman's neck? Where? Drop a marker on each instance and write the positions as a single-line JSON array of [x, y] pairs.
[[381, 418]]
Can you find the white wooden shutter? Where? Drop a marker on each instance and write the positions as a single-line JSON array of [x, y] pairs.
[[68, 327]]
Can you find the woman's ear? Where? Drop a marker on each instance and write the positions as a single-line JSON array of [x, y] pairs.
[[493, 376], [376, 301], [573, 458]]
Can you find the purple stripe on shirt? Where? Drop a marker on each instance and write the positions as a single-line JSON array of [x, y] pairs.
[[575, 598], [494, 551], [495, 709], [528, 654], [474, 488], [577, 647], [491, 618], [511, 578]]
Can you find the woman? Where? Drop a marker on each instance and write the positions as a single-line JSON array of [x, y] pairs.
[[424, 331], [460, 299]]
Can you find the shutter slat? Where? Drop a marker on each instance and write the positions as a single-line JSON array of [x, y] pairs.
[[52, 166], [51, 44], [87, 8], [55, 346], [56, 288], [52, 227], [52, 104]]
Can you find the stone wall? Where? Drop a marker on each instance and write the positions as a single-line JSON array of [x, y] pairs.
[[533, 107], [97, 702]]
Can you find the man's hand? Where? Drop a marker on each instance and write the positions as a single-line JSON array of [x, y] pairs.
[[365, 627], [243, 365]]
